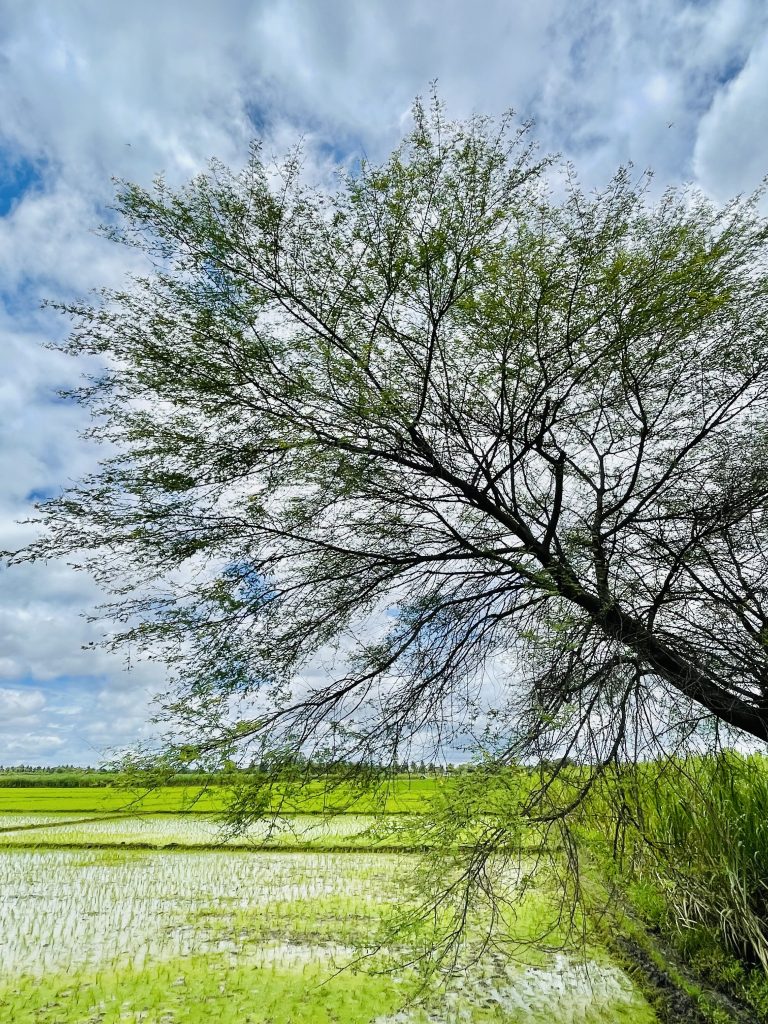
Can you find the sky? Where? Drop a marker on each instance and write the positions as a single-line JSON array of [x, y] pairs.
[[93, 89]]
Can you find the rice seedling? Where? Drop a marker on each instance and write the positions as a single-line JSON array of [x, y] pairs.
[[190, 830], [92, 935]]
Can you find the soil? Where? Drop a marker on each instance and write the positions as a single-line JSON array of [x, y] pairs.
[[672, 1003]]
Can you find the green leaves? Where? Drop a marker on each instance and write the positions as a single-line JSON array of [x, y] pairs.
[[436, 427]]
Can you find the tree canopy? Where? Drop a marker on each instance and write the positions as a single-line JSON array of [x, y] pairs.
[[456, 450]]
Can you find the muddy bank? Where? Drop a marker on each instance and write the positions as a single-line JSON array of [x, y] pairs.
[[677, 995]]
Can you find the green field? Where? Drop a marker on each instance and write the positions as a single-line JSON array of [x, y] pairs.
[[339, 832], [400, 796], [172, 921], [144, 906]]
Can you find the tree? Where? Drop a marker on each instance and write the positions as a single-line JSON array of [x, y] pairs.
[[445, 423]]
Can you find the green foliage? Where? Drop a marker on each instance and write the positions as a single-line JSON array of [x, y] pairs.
[[447, 412], [707, 827], [60, 780], [84, 779]]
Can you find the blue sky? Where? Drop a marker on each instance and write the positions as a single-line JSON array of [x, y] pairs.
[[93, 90]]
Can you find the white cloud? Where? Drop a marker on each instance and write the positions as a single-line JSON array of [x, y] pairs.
[[731, 153], [15, 703], [39, 749]]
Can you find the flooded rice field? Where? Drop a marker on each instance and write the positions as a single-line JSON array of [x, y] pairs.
[[92, 936]]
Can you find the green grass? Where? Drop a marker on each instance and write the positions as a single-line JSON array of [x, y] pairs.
[[697, 870], [703, 841], [702, 882], [166, 936], [403, 796], [105, 801], [199, 990]]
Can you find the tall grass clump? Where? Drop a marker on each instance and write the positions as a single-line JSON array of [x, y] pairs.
[[702, 837]]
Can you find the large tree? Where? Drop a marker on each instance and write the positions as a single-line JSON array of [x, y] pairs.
[[455, 449]]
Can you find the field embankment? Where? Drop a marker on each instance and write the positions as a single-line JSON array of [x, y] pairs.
[[693, 866]]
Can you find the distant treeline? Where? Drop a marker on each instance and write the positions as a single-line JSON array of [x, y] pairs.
[[73, 777], [25, 777]]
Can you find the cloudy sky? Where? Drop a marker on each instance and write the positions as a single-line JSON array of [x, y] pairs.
[[93, 89]]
